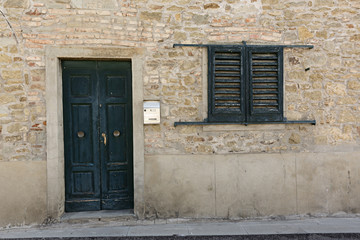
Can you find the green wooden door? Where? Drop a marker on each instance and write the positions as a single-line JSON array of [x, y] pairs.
[[97, 105]]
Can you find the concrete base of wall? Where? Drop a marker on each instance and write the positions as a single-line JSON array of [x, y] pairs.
[[210, 186], [251, 185], [23, 193]]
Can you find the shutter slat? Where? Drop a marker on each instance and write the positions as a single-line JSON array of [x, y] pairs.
[[227, 98], [227, 74], [228, 56], [264, 63], [265, 87], [228, 104], [265, 75], [227, 92], [266, 104], [264, 92], [265, 69], [228, 64], [260, 57], [227, 69], [265, 98], [263, 80], [218, 80], [227, 86]]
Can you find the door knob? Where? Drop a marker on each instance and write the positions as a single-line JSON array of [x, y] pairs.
[[80, 134], [116, 133], [104, 136]]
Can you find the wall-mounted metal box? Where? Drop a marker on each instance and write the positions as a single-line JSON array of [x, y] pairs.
[[151, 112]]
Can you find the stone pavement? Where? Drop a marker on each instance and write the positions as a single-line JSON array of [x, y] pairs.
[[185, 228]]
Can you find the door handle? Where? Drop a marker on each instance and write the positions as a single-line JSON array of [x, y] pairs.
[[104, 136]]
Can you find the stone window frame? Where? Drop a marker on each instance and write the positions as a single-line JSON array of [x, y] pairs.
[[54, 116]]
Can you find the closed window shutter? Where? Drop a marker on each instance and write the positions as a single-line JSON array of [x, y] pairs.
[[227, 85], [265, 84]]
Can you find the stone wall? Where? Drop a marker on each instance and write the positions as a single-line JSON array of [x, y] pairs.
[[328, 92]]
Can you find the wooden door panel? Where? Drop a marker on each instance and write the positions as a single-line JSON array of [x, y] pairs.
[[116, 152], [82, 134], [82, 166], [98, 135], [116, 86], [83, 183], [80, 85], [117, 180]]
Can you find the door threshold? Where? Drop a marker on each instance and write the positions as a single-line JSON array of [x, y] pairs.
[[103, 215]]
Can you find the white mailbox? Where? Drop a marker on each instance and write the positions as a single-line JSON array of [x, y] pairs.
[[151, 112]]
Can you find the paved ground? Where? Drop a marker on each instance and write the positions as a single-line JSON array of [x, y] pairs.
[[186, 229]]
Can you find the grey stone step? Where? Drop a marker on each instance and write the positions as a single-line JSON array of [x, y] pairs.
[[125, 216]]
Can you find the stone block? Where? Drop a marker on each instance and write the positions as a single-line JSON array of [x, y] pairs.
[[354, 85], [180, 36], [324, 3], [346, 116], [211, 6], [11, 74], [175, 9], [7, 98], [313, 95], [189, 80], [291, 87], [151, 16], [16, 128], [5, 58], [304, 33], [355, 38], [294, 138], [16, 4], [335, 89], [200, 19], [13, 88]]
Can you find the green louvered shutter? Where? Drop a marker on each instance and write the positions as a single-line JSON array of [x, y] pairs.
[[226, 84], [265, 84]]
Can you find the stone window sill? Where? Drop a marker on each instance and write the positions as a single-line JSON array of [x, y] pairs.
[[236, 126]]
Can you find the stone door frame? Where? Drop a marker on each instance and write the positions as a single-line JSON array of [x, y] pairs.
[[54, 116]]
